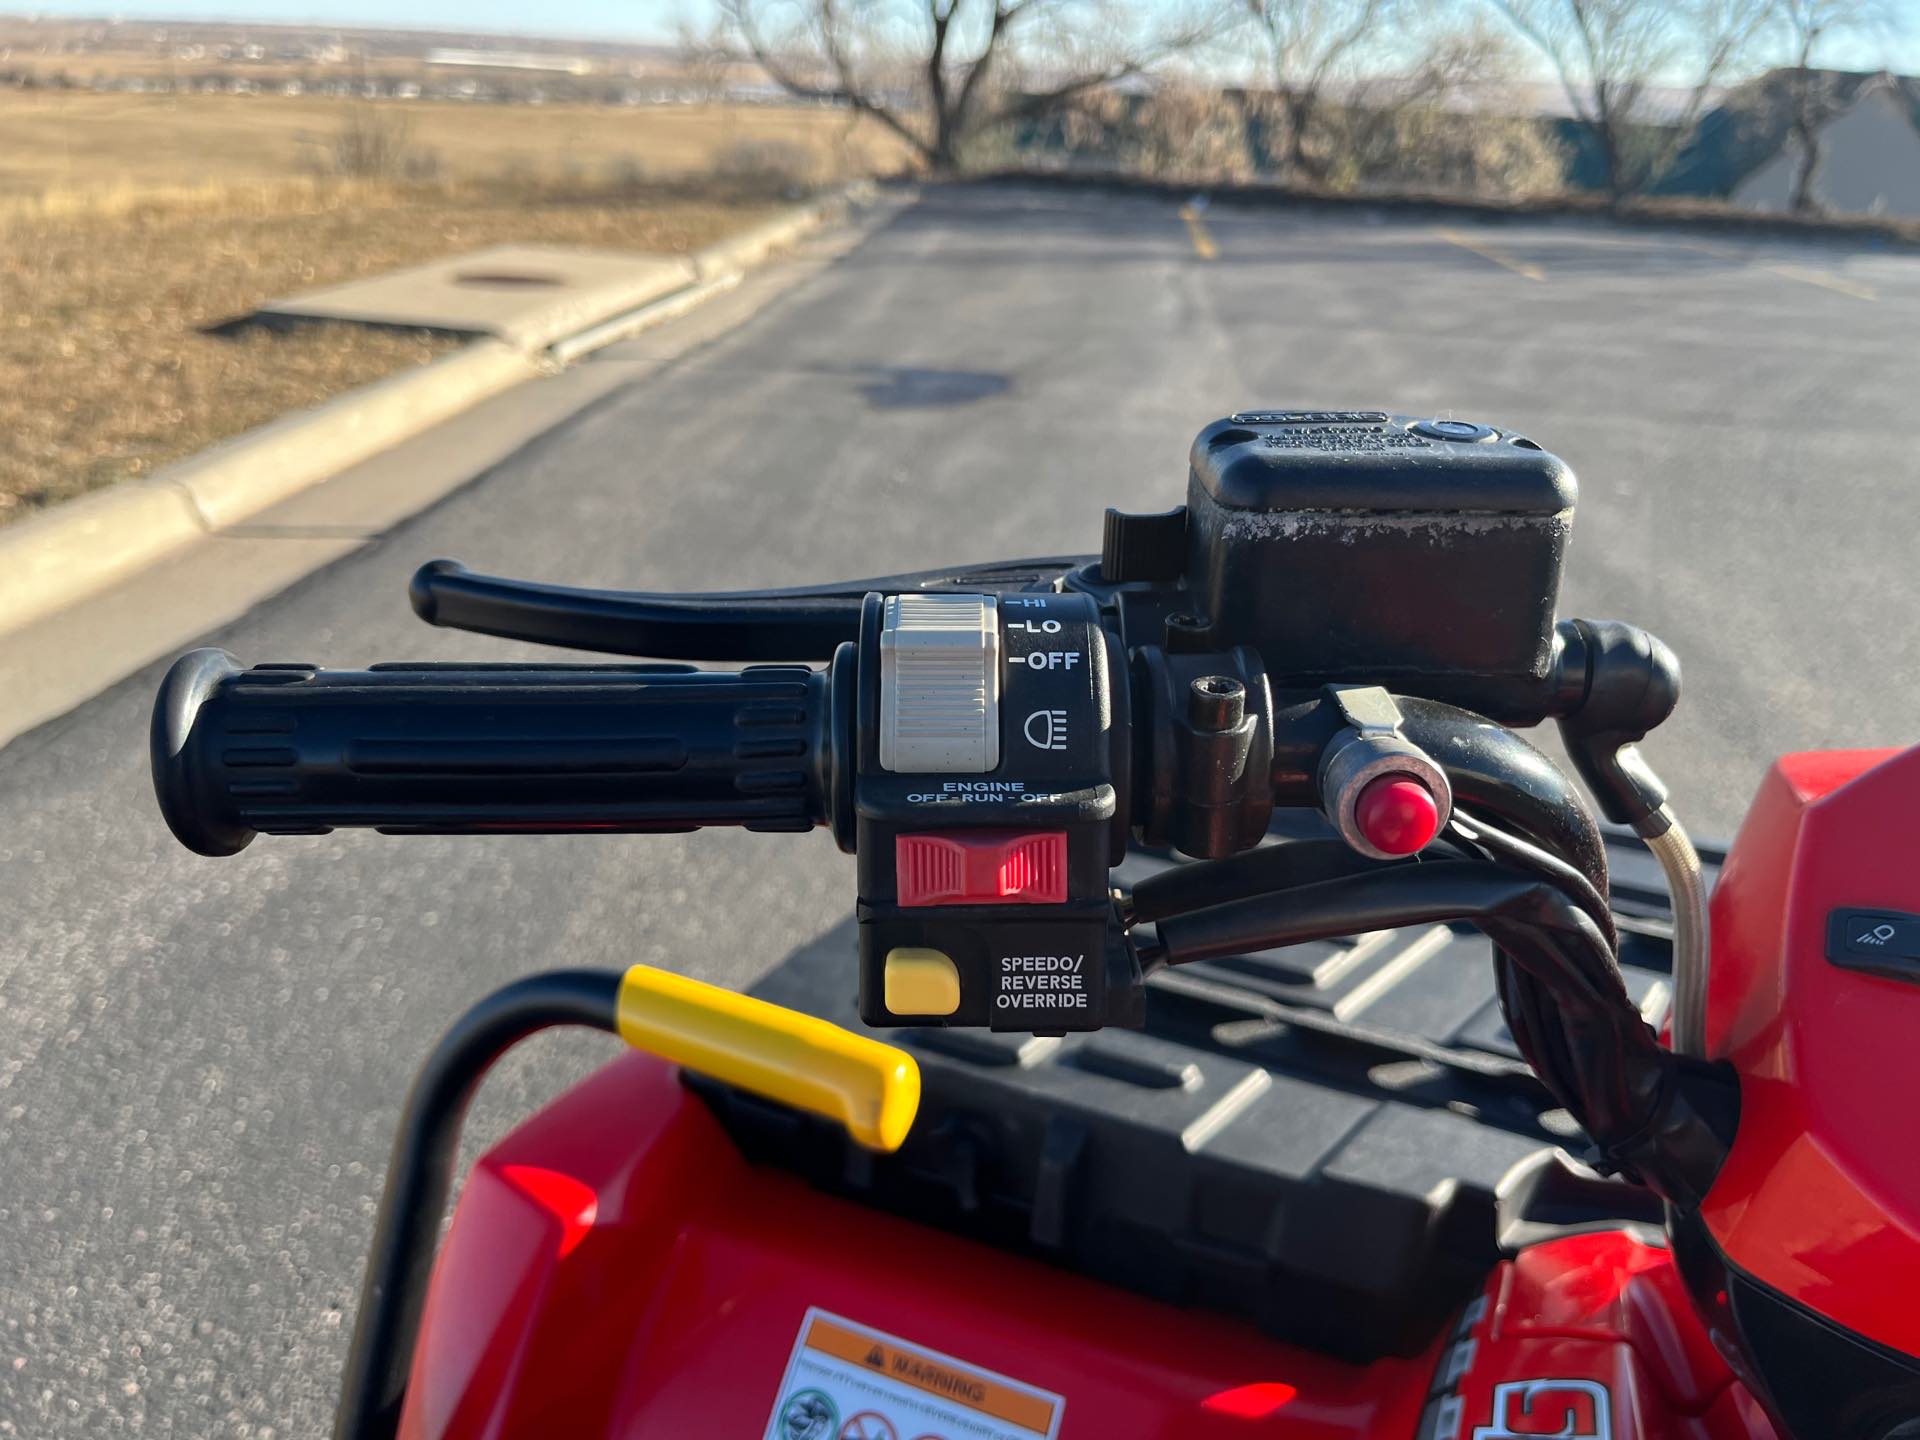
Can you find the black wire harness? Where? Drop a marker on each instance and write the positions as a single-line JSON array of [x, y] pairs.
[[1653, 1116]]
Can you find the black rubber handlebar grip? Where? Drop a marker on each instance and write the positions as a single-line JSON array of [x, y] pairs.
[[478, 749]]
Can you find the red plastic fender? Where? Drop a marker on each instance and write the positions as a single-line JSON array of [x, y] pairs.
[[615, 1268], [1820, 1197]]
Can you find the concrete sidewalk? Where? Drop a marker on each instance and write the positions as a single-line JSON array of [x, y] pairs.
[[74, 550], [96, 588]]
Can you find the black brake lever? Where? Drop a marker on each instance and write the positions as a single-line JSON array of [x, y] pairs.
[[804, 623]]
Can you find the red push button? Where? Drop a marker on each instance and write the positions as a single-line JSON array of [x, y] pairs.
[[988, 867], [1397, 814]]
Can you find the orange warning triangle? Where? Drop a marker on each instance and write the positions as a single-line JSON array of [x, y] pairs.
[[877, 1356]]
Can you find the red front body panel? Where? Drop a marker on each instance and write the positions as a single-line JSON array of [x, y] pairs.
[[1594, 1336], [616, 1269], [1820, 1198]]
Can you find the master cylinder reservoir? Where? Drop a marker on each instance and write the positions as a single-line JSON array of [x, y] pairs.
[[1360, 545]]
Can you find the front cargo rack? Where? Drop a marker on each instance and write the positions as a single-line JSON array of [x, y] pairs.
[[1333, 1141]]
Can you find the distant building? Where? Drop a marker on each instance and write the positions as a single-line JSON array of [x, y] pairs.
[[1868, 124], [512, 60]]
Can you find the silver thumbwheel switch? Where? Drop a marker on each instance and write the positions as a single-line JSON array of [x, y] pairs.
[[940, 684]]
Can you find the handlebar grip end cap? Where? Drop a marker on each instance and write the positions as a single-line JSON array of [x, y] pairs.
[[177, 780], [420, 589]]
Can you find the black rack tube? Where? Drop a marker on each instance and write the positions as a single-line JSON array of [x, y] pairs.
[[420, 1175]]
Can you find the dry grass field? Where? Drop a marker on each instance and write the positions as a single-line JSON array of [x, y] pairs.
[[129, 225], [54, 140]]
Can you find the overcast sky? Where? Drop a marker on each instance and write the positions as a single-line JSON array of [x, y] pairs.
[[624, 19]]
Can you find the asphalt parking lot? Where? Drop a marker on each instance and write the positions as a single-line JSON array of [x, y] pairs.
[[200, 1061]]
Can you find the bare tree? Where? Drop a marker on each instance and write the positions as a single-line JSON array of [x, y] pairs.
[[1809, 24], [706, 58], [1449, 121], [1307, 42], [939, 73], [1609, 53]]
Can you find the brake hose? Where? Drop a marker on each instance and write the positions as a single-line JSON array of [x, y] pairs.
[[1687, 889]]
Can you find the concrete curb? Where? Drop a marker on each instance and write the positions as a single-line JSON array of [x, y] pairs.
[[50, 560], [750, 247], [244, 475], [719, 267], [1654, 213], [82, 547], [645, 317]]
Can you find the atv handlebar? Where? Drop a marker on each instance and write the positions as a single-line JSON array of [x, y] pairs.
[[1332, 622], [1345, 616], [473, 749]]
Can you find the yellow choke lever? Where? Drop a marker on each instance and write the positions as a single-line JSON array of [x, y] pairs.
[[800, 1060]]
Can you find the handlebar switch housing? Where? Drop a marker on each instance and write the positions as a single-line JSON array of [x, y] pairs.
[[983, 891]]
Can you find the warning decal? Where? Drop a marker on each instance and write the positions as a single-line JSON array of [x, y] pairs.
[[849, 1382]]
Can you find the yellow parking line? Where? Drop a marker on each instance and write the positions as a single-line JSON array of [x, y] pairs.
[[1487, 252], [1203, 245], [1825, 279]]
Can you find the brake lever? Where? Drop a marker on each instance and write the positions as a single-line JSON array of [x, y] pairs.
[[803, 623]]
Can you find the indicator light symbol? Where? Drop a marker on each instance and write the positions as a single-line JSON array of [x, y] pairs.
[[1047, 729]]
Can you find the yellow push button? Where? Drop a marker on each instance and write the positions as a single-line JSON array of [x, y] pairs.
[[921, 982]]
